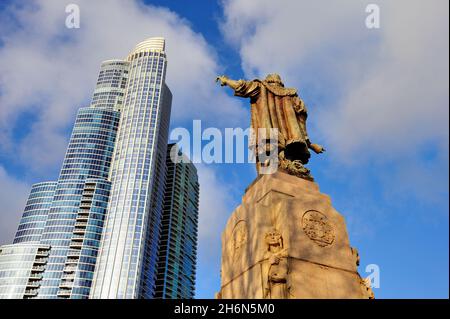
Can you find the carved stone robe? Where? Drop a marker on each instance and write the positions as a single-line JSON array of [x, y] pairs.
[[274, 106], [275, 276]]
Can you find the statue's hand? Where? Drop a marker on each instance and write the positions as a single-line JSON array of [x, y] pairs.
[[223, 80], [317, 148]]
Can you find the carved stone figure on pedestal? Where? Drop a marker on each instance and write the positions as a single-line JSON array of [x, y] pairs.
[[275, 107], [276, 268]]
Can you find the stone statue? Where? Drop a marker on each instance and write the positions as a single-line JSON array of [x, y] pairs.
[[275, 269], [275, 107]]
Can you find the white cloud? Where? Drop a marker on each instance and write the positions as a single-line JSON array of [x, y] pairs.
[[13, 196], [49, 71], [389, 85]]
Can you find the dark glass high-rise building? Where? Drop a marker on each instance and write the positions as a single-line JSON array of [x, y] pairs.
[[178, 245]]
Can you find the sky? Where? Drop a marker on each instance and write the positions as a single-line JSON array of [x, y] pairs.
[[377, 100]]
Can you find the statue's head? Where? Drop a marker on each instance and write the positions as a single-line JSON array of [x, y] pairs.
[[274, 78], [273, 238]]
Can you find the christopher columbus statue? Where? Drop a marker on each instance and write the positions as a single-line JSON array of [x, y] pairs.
[[275, 107]]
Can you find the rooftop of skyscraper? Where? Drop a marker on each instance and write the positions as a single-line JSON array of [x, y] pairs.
[[154, 43]]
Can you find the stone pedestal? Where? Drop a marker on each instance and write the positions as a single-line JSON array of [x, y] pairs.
[[287, 241]]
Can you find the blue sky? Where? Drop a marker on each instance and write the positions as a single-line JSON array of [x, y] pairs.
[[377, 100]]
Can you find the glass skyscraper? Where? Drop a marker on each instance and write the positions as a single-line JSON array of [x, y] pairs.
[[95, 232], [178, 246], [126, 265]]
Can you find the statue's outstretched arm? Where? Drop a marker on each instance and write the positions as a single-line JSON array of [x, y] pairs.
[[224, 80]]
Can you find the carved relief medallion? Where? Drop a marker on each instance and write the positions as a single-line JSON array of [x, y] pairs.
[[318, 228], [238, 239]]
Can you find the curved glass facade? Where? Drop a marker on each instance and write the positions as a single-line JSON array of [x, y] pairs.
[[79, 267], [127, 261], [35, 214], [88, 156], [110, 88]]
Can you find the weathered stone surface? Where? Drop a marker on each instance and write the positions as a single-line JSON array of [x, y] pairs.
[[287, 241]]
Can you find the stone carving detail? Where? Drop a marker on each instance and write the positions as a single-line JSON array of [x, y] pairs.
[[318, 228], [276, 268], [238, 239]]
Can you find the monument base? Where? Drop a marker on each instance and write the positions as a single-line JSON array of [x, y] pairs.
[[287, 241]]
